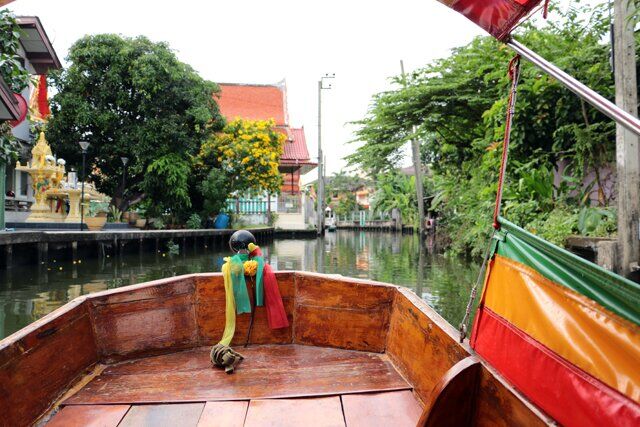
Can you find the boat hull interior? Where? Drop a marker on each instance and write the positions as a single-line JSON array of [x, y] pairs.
[[356, 353]]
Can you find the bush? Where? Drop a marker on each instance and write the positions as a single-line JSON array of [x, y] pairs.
[[115, 214], [556, 226], [215, 190], [194, 222], [272, 219], [158, 223]]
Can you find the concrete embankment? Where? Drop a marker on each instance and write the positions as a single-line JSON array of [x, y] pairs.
[[36, 247]]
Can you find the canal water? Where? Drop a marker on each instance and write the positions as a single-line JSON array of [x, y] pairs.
[[28, 293]]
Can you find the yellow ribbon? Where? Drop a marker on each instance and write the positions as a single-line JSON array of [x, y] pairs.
[[230, 308]]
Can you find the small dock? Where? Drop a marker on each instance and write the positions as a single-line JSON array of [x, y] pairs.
[[27, 247]]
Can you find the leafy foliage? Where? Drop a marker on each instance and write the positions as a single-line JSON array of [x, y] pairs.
[[13, 74], [215, 189], [456, 107], [346, 204], [343, 186], [194, 222], [11, 69], [248, 152], [396, 191], [132, 97]]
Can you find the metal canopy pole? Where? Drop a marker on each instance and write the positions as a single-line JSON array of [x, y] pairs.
[[592, 97]]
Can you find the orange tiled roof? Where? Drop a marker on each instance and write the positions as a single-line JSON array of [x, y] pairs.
[[296, 147], [253, 102]]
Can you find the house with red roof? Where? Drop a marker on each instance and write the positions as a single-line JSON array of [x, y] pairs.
[[264, 102]]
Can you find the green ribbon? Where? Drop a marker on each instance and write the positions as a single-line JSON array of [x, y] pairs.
[[259, 283], [243, 305]]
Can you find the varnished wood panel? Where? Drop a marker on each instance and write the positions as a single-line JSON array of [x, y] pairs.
[[343, 292], [211, 313], [210, 287], [185, 414], [89, 416], [342, 313], [42, 361], [224, 414], [351, 329], [498, 406], [145, 320], [395, 408], [310, 412], [268, 371], [420, 343], [453, 399]]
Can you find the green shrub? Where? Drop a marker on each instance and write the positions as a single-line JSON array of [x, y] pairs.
[[114, 215], [158, 223], [194, 222]]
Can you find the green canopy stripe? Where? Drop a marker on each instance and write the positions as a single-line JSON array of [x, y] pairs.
[[617, 294]]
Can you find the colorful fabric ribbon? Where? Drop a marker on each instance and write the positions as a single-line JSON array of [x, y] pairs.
[[267, 285], [237, 298]]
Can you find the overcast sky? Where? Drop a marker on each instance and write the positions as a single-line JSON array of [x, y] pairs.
[[265, 41]]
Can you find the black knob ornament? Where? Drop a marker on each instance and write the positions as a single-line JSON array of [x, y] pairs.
[[240, 240]]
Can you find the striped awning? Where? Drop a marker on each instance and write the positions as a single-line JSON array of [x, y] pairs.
[[562, 330]]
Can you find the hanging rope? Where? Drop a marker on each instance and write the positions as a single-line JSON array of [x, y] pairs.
[[545, 10], [514, 75], [474, 290]]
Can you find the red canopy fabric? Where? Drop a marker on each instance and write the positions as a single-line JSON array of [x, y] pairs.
[[497, 17], [22, 106]]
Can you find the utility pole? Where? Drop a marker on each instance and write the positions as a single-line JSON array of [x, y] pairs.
[[627, 149], [320, 195], [417, 168]]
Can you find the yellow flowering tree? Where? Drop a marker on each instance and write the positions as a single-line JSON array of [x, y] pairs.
[[248, 153]]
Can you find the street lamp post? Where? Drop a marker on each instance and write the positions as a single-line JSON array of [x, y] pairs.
[[322, 84], [84, 145]]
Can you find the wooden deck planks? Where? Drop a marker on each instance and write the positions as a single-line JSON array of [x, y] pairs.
[[185, 414], [397, 408], [224, 414], [89, 416], [309, 412], [269, 371]]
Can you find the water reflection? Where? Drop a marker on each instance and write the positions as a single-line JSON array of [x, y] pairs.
[[28, 293]]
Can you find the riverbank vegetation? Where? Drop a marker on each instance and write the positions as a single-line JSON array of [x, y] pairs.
[[560, 179], [14, 76], [131, 97]]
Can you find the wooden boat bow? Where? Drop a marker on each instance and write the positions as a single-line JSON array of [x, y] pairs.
[[356, 351]]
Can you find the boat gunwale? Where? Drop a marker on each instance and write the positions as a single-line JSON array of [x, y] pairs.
[[93, 301]]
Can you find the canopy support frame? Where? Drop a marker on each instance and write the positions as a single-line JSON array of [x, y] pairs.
[[605, 106]]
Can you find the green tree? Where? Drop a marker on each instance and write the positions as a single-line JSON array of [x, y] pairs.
[[13, 74], [346, 204], [248, 153], [215, 190], [341, 182], [130, 97], [395, 191], [457, 107]]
